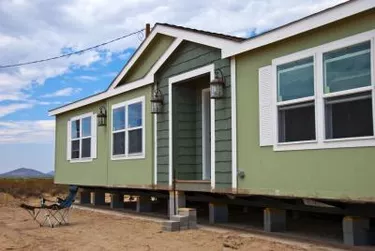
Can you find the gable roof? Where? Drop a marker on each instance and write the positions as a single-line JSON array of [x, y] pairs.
[[229, 45], [180, 34], [197, 36]]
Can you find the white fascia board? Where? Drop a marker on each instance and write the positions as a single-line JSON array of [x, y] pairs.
[[132, 60], [164, 57], [179, 34], [196, 37], [109, 93], [320, 19], [148, 79]]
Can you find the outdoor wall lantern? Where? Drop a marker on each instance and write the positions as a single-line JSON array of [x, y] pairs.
[[102, 116], [156, 102], [217, 85]]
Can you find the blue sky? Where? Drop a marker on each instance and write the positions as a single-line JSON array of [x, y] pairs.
[[28, 92]]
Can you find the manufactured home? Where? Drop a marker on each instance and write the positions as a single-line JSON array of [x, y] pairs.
[[283, 117]]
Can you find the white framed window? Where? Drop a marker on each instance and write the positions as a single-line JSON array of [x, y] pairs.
[[128, 132], [81, 135], [322, 97], [296, 101]]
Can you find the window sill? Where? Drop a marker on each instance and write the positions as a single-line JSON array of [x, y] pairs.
[[81, 160], [129, 157], [350, 139], [297, 142], [326, 144]]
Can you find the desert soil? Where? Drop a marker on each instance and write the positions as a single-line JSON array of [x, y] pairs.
[[96, 231]]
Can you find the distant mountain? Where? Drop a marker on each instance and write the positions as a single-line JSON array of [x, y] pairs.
[[26, 173], [51, 173]]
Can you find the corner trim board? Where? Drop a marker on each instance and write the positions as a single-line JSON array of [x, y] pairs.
[[234, 121], [155, 149]]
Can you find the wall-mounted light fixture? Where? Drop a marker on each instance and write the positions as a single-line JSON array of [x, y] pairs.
[[156, 101], [102, 116], [217, 85]]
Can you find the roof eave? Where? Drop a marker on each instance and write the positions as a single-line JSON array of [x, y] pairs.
[[311, 22]]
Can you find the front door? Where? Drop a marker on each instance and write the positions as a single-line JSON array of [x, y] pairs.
[[206, 134]]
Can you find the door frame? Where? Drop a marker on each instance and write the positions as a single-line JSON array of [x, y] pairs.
[[176, 79], [205, 138]]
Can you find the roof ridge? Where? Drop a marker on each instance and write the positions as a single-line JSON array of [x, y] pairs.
[[216, 34]]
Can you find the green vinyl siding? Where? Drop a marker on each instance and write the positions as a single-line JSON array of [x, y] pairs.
[[92, 173], [187, 128], [148, 58], [133, 172], [187, 57], [103, 171], [346, 173]]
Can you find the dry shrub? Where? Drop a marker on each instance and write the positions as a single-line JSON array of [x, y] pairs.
[[34, 187], [5, 198]]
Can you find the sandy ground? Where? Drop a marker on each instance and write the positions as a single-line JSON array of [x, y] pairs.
[[96, 231]]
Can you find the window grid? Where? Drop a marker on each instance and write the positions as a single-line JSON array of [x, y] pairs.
[[297, 102], [80, 138], [127, 128]]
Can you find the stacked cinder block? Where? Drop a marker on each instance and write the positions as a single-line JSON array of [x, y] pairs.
[[186, 219], [183, 220], [191, 213], [171, 226], [356, 231]]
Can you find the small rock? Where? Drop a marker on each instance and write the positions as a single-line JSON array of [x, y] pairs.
[[233, 242]]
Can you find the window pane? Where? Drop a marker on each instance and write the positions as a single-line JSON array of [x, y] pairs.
[[135, 141], [86, 148], [75, 149], [75, 129], [119, 143], [135, 115], [347, 68], [119, 118], [297, 122], [86, 127], [349, 116], [296, 79]]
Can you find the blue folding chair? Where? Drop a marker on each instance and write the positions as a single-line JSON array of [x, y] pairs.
[[54, 214]]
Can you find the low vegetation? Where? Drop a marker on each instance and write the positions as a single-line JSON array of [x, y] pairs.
[[31, 187]]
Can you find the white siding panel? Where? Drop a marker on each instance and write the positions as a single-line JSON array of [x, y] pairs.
[[265, 106]]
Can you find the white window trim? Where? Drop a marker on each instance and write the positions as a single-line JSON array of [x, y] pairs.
[[80, 159], [127, 156], [317, 52]]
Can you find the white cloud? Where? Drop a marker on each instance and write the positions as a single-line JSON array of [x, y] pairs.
[[124, 56], [86, 78], [39, 131], [16, 96], [63, 92], [110, 74], [38, 102], [8, 109]]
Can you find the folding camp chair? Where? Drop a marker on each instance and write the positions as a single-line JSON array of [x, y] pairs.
[[54, 214]]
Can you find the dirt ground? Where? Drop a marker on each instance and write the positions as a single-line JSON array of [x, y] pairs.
[[96, 231]]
